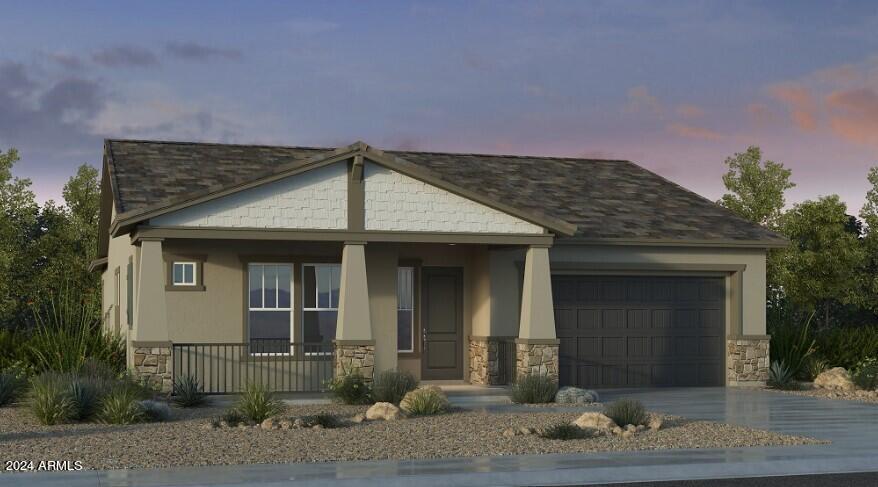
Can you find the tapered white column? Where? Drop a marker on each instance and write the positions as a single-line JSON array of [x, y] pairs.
[[151, 318], [537, 308], [354, 346]]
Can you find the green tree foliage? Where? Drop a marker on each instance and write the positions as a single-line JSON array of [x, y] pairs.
[[44, 249], [819, 267], [755, 187], [868, 276]]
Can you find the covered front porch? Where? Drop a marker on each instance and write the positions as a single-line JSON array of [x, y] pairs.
[[477, 312]]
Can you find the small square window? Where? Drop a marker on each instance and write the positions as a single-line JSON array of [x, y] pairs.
[[184, 274]]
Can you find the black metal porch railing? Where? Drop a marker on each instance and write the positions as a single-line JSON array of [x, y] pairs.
[[280, 366], [506, 358]]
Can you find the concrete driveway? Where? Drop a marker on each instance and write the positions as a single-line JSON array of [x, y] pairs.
[[851, 426]]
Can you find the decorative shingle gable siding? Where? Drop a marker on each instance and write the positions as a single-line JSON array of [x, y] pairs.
[[315, 199], [397, 202]]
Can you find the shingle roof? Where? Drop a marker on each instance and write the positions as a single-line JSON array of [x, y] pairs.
[[605, 199]]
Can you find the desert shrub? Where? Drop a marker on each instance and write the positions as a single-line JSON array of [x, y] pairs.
[[814, 367], [847, 346], [68, 332], [13, 348], [325, 420], [154, 410], [425, 401], [12, 387], [187, 392], [563, 431], [257, 404], [96, 369], [121, 406], [780, 376], [793, 344], [50, 400], [350, 389], [865, 375], [86, 394], [627, 411], [534, 389], [391, 386]]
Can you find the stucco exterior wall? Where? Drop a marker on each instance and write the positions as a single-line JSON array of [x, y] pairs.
[[397, 202], [119, 251], [316, 199]]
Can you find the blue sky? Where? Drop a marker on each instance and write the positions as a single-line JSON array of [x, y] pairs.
[[674, 86]]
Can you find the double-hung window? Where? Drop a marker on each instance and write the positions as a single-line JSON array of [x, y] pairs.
[[320, 284], [270, 308], [405, 309]]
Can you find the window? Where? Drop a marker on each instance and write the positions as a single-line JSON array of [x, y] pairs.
[[270, 308], [129, 304], [320, 284], [117, 303], [405, 309], [184, 274]]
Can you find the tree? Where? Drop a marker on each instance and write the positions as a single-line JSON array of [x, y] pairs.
[[868, 276], [819, 267], [755, 187], [18, 217]]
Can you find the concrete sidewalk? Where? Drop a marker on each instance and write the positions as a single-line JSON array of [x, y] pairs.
[[852, 427]]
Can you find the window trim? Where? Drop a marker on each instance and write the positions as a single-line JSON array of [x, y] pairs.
[[290, 310], [198, 274], [129, 292], [414, 340], [317, 299], [184, 263]]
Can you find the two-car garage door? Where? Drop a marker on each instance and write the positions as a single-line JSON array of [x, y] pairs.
[[635, 331]]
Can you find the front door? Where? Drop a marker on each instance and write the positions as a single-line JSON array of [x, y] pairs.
[[442, 323]]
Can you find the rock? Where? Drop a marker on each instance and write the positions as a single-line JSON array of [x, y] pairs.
[[655, 422], [317, 427], [242, 426], [525, 430], [210, 425], [617, 430], [383, 410], [509, 432], [269, 424], [358, 418], [835, 379], [285, 424], [640, 428], [575, 395], [299, 423], [627, 434], [630, 427], [597, 421]]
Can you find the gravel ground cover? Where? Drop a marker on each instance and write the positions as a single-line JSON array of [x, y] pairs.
[[862, 396], [186, 441]]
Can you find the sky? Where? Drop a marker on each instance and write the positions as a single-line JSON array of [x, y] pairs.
[[674, 86]]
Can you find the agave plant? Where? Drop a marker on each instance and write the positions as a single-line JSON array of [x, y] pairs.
[[780, 376]]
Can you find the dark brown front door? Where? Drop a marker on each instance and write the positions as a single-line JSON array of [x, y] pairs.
[[633, 331], [442, 323]]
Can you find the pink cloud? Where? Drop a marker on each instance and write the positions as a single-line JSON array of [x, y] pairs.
[[689, 111], [800, 103], [641, 100], [855, 115], [693, 132]]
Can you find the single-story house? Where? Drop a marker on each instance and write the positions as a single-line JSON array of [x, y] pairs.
[[293, 264]]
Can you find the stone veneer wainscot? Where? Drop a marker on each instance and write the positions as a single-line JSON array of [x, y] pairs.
[[485, 367], [152, 364], [355, 357], [537, 357], [747, 361]]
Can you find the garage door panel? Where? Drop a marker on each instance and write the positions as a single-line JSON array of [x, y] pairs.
[[641, 330]]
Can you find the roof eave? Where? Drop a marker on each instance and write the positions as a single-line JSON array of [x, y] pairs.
[[662, 242]]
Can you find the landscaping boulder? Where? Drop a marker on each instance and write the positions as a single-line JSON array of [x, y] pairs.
[[655, 422], [598, 421], [575, 395], [270, 424], [383, 410], [836, 379]]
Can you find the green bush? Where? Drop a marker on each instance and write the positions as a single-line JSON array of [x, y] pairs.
[[121, 406], [865, 375], [187, 392], [13, 348], [50, 399], [627, 411], [793, 344], [86, 394], [847, 346], [780, 376], [350, 389], [534, 389], [231, 417], [154, 410], [391, 386], [12, 386], [325, 420], [563, 431], [257, 404], [68, 333], [814, 367], [425, 401]]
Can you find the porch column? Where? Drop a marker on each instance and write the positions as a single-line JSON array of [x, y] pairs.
[[354, 345], [537, 344], [151, 341]]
